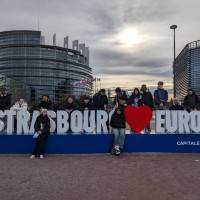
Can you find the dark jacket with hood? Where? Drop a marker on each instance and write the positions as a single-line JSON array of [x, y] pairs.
[[84, 106], [118, 120], [5, 101], [147, 99], [45, 104], [135, 100], [191, 101], [99, 101]]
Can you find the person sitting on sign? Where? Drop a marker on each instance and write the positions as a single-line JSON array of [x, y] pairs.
[[100, 100], [42, 129], [69, 106], [176, 105], [86, 103], [136, 98], [191, 100], [20, 105], [45, 103], [118, 124], [160, 97]]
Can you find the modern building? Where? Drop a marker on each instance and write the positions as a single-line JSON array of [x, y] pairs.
[[187, 70], [41, 69]]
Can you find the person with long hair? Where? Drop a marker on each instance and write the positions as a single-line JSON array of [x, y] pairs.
[[136, 98]]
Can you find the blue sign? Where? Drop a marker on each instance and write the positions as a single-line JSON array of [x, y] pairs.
[[102, 143]]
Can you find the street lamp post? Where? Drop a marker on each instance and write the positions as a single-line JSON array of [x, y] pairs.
[[174, 27]]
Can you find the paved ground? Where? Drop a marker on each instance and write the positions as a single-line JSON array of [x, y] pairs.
[[101, 177]]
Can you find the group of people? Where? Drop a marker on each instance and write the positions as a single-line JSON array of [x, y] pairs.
[[139, 97]]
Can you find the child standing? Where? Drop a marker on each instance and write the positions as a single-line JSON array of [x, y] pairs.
[[118, 124]]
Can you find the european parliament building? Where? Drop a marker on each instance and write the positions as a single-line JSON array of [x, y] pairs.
[[31, 68], [187, 70]]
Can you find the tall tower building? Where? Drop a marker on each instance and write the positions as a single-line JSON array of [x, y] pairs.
[[187, 70]]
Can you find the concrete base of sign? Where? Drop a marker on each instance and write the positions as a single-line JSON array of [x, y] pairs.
[[102, 143]]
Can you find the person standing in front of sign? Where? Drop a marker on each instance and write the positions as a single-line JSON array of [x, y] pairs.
[[118, 124], [160, 97], [42, 130]]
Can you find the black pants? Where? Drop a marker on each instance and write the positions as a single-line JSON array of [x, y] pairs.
[[40, 145]]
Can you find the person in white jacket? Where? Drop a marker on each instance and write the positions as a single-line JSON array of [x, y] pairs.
[[20, 105]]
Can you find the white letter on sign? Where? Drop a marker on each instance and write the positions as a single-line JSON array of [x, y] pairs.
[[183, 122], [160, 123], [2, 125], [171, 121], [195, 121], [62, 123], [23, 118], [89, 119], [52, 114], [10, 122], [76, 121], [102, 118]]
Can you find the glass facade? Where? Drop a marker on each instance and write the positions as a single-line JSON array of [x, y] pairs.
[[187, 70], [43, 69]]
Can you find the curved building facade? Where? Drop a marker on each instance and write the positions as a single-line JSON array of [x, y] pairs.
[[187, 70], [43, 69]]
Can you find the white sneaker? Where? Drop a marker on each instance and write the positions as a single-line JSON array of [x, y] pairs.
[[32, 156], [41, 156]]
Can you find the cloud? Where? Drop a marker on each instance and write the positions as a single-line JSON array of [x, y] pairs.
[[98, 22]]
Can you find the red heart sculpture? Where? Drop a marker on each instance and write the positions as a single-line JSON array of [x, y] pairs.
[[138, 117]]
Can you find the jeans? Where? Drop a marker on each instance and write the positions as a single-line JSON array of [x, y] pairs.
[[119, 136]]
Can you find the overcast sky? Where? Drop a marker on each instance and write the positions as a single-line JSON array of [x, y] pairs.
[[130, 40]]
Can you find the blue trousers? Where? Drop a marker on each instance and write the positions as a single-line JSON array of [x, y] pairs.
[[119, 136]]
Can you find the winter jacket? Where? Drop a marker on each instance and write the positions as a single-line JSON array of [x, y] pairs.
[[147, 99], [118, 120], [191, 102], [45, 104], [176, 107], [85, 106], [5, 101], [42, 123], [135, 100], [160, 96], [68, 106], [99, 101], [116, 99], [18, 107]]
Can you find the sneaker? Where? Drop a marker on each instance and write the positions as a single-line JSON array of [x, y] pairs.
[[41, 156], [32, 156]]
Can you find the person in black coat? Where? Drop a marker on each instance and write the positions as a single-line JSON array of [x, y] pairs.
[[100, 100], [5, 99], [86, 103], [147, 98], [191, 101], [69, 106], [42, 128], [45, 103], [118, 124], [176, 105], [136, 98]]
